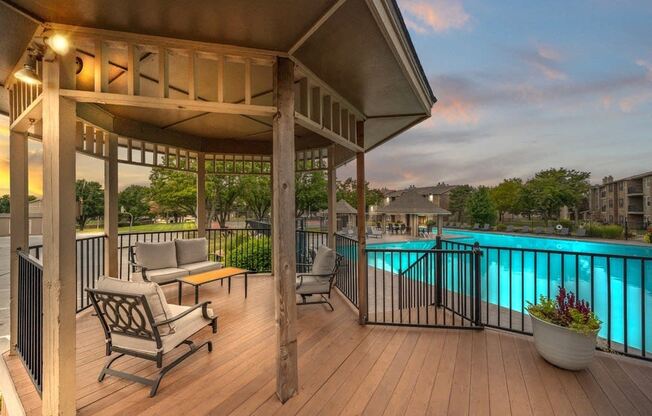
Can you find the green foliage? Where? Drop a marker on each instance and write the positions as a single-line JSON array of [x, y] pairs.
[[501, 227], [134, 199], [613, 232], [552, 189], [173, 192], [347, 190], [566, 311], [252, 253], [310, 193], [4, 204], [90, 201], [507, 195], [459, 199], [567, 224], [222, 194], [257, 194], [648, 236], [480, 207]]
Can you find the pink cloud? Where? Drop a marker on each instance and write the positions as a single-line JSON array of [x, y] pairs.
[[455, 110], [630, 103], [425, 16]]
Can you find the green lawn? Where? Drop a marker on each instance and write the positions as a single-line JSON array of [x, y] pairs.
[[147, 227]]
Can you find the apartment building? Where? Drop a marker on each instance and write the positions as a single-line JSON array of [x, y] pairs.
[[438, 194], [614, 201]]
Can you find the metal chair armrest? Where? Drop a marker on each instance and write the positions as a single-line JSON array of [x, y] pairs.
[[203, 305]]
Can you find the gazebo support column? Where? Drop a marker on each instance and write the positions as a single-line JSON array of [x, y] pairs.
[[440, 225], [19, 222], [362, 232], [111, 207], [59, 257], [332, 197], [201, 194], [283, 235]]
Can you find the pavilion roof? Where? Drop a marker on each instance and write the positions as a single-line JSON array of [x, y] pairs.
[[412, 202], [343, 207]]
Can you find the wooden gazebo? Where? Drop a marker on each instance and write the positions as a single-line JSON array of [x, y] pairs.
[[411, 205], [251, 87]]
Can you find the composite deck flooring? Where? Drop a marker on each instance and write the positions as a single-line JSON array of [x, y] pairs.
[[348, 369]]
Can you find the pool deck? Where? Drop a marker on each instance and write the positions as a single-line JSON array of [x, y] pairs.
[[347, 369]]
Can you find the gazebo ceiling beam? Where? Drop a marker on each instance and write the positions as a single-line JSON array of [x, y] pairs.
[[315, 26]]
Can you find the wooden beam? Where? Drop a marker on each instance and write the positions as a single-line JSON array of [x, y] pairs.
[[25, 119], [362, 232], [133, 82], [315, 26], [303, 121], [101, 67], [201, 194], [247, 82], [303, 107], [111, 209], [163, 73], [192, 75], [168, 103], [283, 234], [59, 258], [19, 236], [220, 79], [332, 196], [316, 105], [327, 113]]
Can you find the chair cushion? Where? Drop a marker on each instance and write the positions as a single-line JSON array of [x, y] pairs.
[[153, 293], [324, 262], [185, 328], [192, 250], [200, 267], [167, 275], [313, 284], [156, 255]]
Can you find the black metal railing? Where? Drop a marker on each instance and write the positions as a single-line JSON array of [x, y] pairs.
[[347, 277], [433, 288], [29, 343]]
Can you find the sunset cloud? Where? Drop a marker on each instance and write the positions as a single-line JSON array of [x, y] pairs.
[[427, 16], [545, 59]]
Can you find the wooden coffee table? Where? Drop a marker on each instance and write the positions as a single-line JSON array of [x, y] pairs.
[[200, 279]]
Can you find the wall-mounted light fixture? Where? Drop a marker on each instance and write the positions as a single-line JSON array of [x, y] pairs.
[[28, 74], [58, 43]]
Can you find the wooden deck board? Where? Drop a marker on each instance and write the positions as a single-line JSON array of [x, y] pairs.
[[345, 368]]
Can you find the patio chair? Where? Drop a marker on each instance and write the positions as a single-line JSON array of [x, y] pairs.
[[525, 229], [321, 277], [581, 232], [374, 233], [486, 227], [564, 231], [538, 230], [137, 321], [476, 226]]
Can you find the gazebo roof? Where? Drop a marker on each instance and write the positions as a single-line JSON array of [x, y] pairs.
[[411, 202], [343, 207]]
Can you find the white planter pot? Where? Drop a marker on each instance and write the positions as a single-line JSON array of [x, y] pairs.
[[563, 347]]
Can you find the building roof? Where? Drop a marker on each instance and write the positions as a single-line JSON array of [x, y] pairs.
[[412, 202], [344, 208], [438, 189], [629, 178]]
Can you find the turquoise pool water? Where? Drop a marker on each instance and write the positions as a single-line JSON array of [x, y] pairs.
[[619, 289]]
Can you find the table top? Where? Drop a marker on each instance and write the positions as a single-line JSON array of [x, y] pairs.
[[211, 276]]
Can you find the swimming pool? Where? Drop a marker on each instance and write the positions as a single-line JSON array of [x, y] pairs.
[[615, 278]]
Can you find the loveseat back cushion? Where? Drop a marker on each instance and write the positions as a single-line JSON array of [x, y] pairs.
[[191, 250], [156, 255], [152, 292], [324, 262]]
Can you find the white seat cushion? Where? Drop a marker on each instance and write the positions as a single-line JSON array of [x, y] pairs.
[[185, 328], [167, 275], [191, 250], [324, 262], [152, 292], [200, 267], [313, 284], [156, 255]]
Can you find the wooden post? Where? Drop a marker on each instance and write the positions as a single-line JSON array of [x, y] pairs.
[[283, 235], [19, 226], [440, 225], [111, 206], [59, 258], [332, 197], [362, 232], [201, 194]]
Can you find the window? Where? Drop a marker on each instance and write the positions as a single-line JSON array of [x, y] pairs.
[[620, 202], [621, 219], [611, 218], [648, 200], [603, 193], [604, 208], [611, 203], [621, 185], [611, 187]]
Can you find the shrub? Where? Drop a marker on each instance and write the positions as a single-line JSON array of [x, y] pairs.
[[567, 224], [647, 237], [252, 253], [605, 231], [567, 311], [501, 227]]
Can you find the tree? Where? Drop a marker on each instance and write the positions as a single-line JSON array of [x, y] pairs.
[[310, 193], [552, 189], [458, 200], [257, 195], [173, 192], [135, 200], [480, 206], [222, 193], [347, 190], [4, 204], [90, 201], [506, 196]]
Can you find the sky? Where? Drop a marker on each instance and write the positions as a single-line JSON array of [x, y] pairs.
[[521, 87]]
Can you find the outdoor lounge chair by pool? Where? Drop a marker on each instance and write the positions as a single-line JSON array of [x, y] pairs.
[[138, 321], [564, 231], [581, 232], [166, 261], [374, 233], [538, 230], [525, 229], [486, 227], [321, 277]]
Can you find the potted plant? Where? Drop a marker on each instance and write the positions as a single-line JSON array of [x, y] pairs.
[[565, 330]]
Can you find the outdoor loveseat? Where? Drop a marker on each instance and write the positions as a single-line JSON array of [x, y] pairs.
[[138, 321], [164, 262]]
